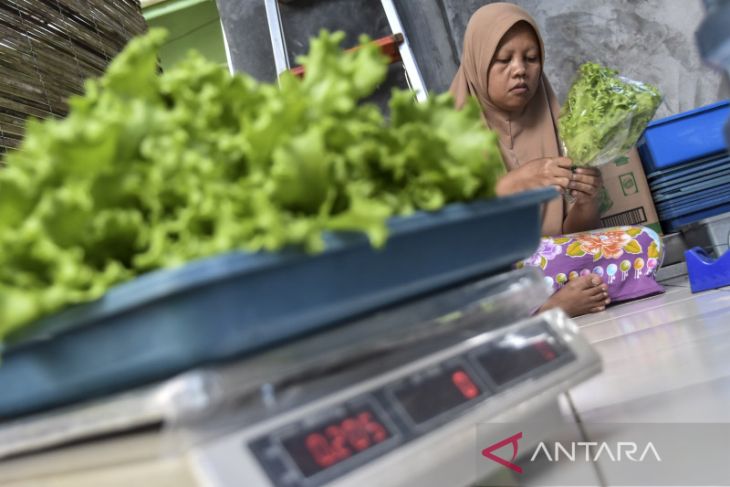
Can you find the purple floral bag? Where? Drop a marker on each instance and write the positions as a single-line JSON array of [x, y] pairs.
[[626, 258]]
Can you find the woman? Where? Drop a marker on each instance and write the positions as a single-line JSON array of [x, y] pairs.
[[501, 67]]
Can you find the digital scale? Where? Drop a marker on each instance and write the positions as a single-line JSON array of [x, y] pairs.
[[391, 399], [389, 429]]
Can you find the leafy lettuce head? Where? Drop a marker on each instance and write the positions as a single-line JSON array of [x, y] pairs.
[[151, 170]]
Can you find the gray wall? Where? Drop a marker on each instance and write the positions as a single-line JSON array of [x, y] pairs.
[[647, 40], [247, 37]]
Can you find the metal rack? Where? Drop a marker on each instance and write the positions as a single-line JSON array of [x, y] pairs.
[[397, 39]]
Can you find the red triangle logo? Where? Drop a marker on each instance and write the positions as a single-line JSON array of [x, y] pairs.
[[487, 452]]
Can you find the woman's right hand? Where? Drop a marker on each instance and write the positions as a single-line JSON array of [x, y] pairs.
[[538, 173]]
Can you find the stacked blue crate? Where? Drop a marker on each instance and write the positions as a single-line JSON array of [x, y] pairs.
[[687, 163]]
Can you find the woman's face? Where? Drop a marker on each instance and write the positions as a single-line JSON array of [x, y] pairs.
[[514, 73]]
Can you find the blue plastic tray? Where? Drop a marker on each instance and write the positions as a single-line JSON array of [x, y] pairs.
[[684, 137], [674, 224], [690, 206], [693, 203], [678, 184], [236, 304], [691, 189], [700, 166], [699, 175]]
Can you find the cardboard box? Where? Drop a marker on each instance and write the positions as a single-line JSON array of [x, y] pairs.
[[626, 198]]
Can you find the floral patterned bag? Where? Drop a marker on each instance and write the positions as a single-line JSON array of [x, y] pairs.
[[626, 258]]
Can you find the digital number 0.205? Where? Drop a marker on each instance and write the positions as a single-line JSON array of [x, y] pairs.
[[341, 440]]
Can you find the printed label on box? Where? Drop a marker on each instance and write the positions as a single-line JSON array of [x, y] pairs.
[[628, 183], [621, 161]]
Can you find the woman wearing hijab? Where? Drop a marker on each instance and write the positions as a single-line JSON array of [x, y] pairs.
[[502, 67]]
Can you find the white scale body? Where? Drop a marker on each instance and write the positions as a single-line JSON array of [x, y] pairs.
[[416, 425], [393, 399]]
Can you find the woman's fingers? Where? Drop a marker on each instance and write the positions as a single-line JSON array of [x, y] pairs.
[[588, 171], [553, 173], [587, 179], [559, 172], [562, 182], [589, 189], [563, 162], [585, 184]]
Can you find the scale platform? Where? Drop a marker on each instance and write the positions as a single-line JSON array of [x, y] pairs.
[[392, 399]]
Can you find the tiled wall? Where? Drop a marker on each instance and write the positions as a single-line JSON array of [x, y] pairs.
[[647, 40]]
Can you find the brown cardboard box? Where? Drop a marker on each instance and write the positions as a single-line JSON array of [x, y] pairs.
[[626, 199]]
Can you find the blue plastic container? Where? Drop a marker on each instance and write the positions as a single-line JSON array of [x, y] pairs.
[[236, 304], [716, 169], [684, 137], [691, 168], [673, 224], [695, 189], [694, 184], [687, 207], [693, 203]]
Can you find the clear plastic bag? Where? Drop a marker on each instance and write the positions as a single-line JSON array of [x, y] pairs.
[[604, 115]]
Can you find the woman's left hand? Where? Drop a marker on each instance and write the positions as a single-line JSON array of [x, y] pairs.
[[585, 184]]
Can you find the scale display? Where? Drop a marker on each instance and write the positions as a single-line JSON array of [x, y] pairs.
[[395, 413], [437, 394], [514, 356], [329, 443]]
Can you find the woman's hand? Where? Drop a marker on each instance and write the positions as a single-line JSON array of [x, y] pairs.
[[585, 184], [583, 213], [539, 173]]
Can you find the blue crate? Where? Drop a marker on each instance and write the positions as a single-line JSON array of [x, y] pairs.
[[684, 137], [233, 305]]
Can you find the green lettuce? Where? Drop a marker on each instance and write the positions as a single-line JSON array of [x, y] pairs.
[[152, 170], [604, 115]]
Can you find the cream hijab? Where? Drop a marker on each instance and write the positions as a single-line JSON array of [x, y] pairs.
[[524, 136]]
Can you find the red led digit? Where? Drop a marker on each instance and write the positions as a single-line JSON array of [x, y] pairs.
[[464, 384], [545, 350], [320, 449], [376, 430], [356, 434], [338, 442]]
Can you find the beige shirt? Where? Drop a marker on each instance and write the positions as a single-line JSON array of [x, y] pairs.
[[525, 136]]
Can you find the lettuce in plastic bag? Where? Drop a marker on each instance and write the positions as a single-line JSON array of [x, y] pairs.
[[604, 115]]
